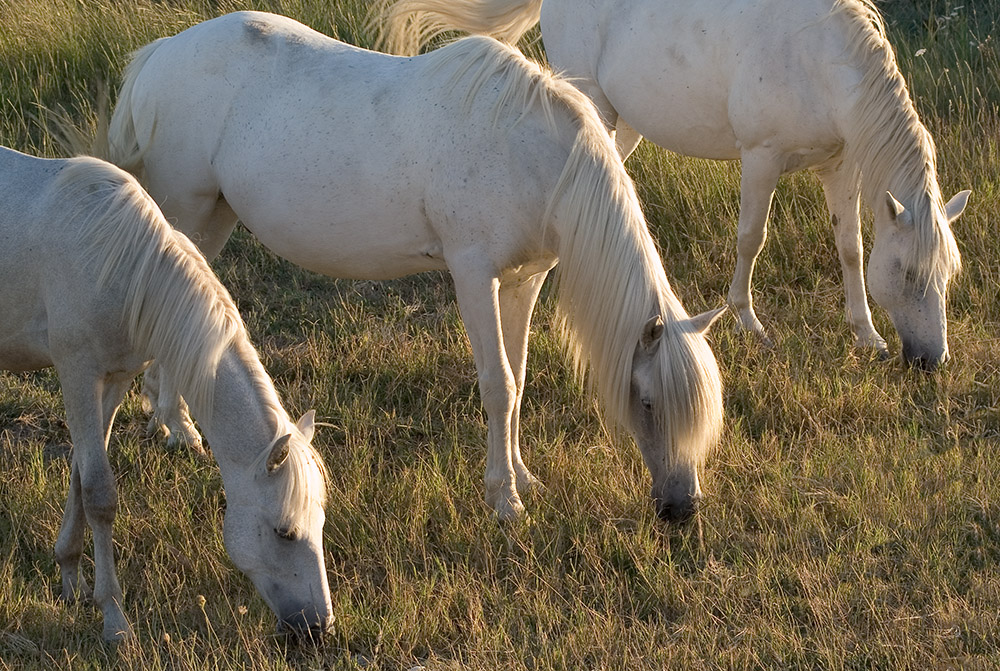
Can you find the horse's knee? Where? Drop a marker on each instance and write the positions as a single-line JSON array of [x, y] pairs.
[[100, 497], [498, 390], [750, 241]]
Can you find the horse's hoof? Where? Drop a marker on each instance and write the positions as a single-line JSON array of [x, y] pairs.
[[508, 508], [181, 440], [874, 345], [70, 596]]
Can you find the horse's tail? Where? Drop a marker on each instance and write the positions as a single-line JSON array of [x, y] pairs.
[[404, 26], [122, 143], [174, 309]]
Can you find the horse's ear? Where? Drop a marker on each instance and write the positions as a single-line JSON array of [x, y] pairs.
[[652, 330], [307, 425], [701, 323], [956, 206], [896, 209], [279, 453]]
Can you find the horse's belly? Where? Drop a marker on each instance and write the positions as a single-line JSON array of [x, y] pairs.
[[362, 250]]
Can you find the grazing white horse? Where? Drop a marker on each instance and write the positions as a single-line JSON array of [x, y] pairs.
[[96, 283], [780, 85], [472, 159]]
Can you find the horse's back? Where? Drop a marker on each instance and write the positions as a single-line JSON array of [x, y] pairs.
[[707, 78]]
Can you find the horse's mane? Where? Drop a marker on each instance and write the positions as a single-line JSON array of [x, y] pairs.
[[609, 277], [891, 146], [175, 309]]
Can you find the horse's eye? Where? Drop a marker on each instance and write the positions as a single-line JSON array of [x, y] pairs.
[[286, 534]]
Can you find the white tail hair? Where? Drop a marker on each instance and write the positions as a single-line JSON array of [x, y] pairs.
[[405, 26], [122, 142]]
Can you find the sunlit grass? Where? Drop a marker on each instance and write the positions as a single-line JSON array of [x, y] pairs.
[[853, 510]]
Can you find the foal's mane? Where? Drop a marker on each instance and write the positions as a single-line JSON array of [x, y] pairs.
[[891, 146], [175, 310], [610, 278]]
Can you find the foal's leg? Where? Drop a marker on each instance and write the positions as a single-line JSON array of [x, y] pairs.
[[91, 404], [517, 300], [759, 177], [69, 543], [478, 291], [842, 187]]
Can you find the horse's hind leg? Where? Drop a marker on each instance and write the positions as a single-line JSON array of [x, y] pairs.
[[758, 179], [517, 300], [91, 403], [842, 187], [69, 543]]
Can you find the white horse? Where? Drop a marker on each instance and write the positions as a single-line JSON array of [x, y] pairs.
[[780, 85], [357, 164], [95, 283]]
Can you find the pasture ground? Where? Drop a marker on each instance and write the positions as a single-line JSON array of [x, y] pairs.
[[853, 511]]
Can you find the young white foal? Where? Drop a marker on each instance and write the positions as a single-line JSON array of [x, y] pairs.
[[96, 283], [780, 85], [472, 159]]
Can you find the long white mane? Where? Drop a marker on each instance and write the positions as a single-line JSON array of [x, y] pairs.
[[175, 310], [610, 278], [890, 144]]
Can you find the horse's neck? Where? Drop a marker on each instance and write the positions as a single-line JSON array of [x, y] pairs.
[[245, 413]]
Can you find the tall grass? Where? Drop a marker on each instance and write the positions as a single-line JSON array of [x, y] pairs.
[[853, 512]]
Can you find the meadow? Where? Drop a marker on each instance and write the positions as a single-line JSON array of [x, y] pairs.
[[852, 518]]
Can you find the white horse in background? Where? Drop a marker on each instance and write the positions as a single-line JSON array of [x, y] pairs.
[[472, 159], [781, 85], [95, 283]]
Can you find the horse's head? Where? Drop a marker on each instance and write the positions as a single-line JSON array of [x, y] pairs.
[[675, 409], [912, 261], [274, 531]]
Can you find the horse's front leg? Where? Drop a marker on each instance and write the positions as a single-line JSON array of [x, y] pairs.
[[517, 301], [91, 403], [842, 186], [477, 290], [760, 170], [168, 411]]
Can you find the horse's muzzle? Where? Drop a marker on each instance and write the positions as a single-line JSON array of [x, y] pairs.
[[677, 512], [305, 628], [923, 361]]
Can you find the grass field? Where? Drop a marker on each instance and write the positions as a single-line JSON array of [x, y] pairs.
[[853, 511]]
